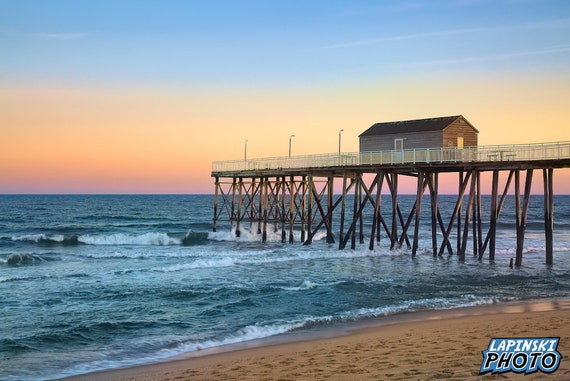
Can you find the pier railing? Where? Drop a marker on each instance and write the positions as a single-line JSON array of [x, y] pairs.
[[495, 153]]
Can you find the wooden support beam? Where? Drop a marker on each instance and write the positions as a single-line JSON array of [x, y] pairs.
[[522, 227], [419, 195], [460, 184], [325, 218], [518, 219], [250, 202], [461, 252], [260, 205], [310, 211], [345, 238], [405, 227], [378, 206], [498, 207], [455, 211], [358, 208], [361, 213], [393, 186], [240, 201], [216, 190], [292, 195], [433, 187], [303, 207], [479, 218], [370, 198], [352, 229], [505, 192], [548, 173], [330, 196], [377, 212], [341, 227], [282, 210], [265, 191], [232, 217], [475, 177], [493, 215]]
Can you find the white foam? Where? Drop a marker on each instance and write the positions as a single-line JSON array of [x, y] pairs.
[[199, 264], [39, 237], [161, 239], [251, 235], [305, 285], [418, 305]]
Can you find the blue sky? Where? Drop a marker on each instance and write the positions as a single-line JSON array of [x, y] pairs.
[[270, 42]]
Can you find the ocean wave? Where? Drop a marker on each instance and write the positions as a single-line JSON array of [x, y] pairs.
[[247, 235], [259, 331], [194, 238], [117, 239], [199, 264], [23, 278], [167, 347], [234, 260], [25, 259], [44, 239], [425, 304], [160, 239]]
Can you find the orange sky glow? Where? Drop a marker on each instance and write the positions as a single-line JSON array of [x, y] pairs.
[[101, 121], [147, 141]]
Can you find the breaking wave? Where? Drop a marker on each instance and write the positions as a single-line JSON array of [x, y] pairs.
[[24, 259], [117, 239]]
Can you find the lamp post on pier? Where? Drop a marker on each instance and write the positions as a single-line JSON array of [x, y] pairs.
[[290, 137], [245, 150], [339, 135]]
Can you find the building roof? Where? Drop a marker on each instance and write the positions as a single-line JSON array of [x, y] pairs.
[[418, 125]]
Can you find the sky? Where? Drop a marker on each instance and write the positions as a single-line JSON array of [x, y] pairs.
[[141, 96]]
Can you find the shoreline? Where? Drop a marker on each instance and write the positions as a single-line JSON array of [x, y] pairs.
[[401, 346]]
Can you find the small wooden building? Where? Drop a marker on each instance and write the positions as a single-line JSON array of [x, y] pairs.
[[448, 131]]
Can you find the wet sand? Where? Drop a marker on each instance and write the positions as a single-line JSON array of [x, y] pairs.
[[436, 345]]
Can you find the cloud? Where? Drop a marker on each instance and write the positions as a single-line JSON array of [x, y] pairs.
[[59, 36], [373, 41], [538, 52], [43, 35], [558, 23]]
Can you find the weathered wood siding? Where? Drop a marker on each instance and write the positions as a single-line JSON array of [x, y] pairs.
[[430, 139], [459, 128]]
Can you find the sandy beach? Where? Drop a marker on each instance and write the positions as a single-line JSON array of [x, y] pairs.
[[436, 345]]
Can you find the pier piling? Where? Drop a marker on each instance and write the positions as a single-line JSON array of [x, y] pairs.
[[301, 197]]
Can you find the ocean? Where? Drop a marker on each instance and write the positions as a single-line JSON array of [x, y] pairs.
[[94, 282]]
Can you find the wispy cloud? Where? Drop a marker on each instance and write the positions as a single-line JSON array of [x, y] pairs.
[[43, 35], [374, 41], [559, 23], [59, 36], [478, 3], [497, 57]]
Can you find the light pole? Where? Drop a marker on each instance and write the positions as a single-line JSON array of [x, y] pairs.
[[245, 150], [290, 137], [339, 133]]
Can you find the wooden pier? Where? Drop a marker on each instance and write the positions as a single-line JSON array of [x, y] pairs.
[[297, 195]]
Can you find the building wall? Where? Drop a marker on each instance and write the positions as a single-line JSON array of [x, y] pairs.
[[459, 128], [431, 139]]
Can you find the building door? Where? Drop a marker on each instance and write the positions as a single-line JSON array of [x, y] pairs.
[[459, 152], [398, 150]]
